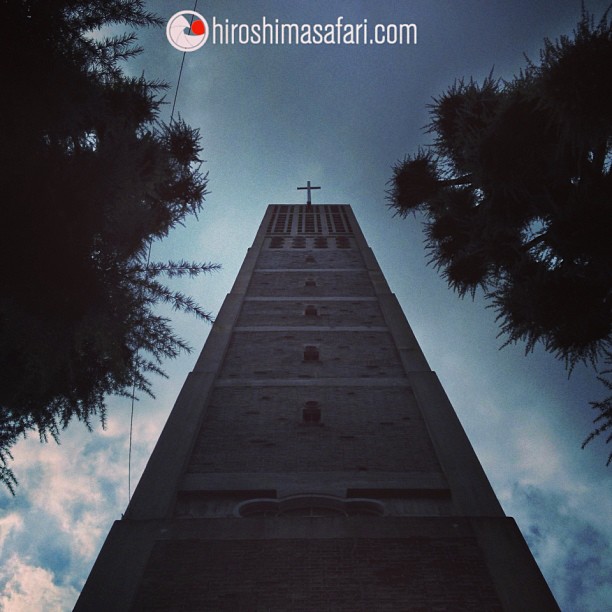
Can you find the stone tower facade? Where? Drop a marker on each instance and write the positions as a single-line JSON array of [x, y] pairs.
[[312, 460]]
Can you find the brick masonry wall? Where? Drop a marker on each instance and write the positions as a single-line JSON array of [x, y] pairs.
[[301, 258], [255, 354], [292, 284], [371, 442], [362, 429], [337, 314], [419, 574], [217, 504]]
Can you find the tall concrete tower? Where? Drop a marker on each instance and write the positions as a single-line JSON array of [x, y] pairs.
[[312, 460]]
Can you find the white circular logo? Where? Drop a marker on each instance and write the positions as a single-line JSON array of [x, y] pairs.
[[187, 31]]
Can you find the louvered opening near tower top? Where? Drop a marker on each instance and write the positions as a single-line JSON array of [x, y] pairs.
[[324, 219]]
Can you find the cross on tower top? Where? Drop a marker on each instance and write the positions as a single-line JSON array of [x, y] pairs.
[[309, 188]]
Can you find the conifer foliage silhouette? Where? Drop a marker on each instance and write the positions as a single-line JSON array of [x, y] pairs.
[[89, 176], [516, 193]]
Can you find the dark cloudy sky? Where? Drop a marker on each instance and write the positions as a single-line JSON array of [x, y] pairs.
[[272, 117]]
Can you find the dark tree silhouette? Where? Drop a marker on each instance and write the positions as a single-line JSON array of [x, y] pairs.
[[516, 192], [89, 177]]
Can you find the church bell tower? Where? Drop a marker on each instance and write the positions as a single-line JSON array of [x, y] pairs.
[[312, 461]]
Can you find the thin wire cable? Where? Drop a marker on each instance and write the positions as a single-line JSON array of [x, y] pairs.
[[132, 413], [178, 84]]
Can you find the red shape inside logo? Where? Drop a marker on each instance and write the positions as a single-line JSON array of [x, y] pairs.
[[197, 27]]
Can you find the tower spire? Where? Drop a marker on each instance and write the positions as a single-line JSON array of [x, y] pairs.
[[312, 460]]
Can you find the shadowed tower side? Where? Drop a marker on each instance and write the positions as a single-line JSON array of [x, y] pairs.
[[312, 460]]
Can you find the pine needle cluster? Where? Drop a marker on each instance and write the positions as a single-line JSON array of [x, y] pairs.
[[516, 192], [90, 177]]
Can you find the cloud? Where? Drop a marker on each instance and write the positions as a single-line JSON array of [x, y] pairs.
[[65, 505], [8, 525], [28, 588], [68, 497], [537, 455], [540, 477], [574, 554]]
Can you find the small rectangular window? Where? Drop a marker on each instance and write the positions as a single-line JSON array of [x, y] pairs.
[[311, 353], [342, 242], [311, 413]]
